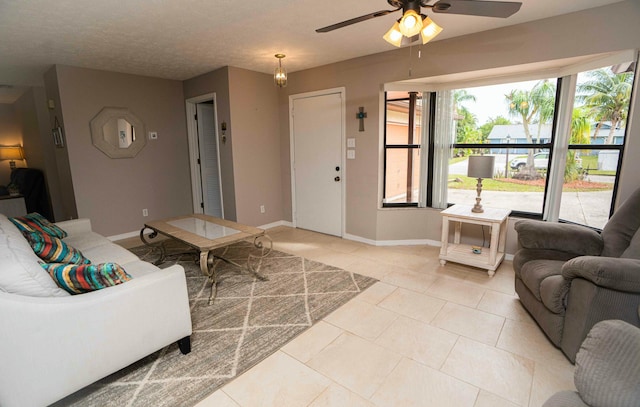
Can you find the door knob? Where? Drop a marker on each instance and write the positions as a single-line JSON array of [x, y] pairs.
[[337, 179]]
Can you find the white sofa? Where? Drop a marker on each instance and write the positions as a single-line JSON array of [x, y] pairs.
[[53, 343]]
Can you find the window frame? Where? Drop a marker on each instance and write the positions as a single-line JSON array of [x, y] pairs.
[[408, 147]]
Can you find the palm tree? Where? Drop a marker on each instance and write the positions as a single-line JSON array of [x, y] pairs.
[[606, 95], [580, 129], [580, 126], [520, 105], [536, 105], [466, 122], [461, 95], [543, 95]]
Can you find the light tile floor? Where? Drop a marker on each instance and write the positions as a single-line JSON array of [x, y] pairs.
[[424, 335]]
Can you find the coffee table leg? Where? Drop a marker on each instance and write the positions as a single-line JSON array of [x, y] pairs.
[[208, 268], [209, 263], [160, 246]]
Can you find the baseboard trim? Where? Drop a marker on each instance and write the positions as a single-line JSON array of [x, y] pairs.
[[123, 236], [129, 235], [409, 242], [276, 224], [347, 236]]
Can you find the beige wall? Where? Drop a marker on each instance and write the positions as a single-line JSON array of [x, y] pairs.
[[218, 82], [600, 30], [64, 196], [10, 135], [113, 192], [250, 158], [256, 146]]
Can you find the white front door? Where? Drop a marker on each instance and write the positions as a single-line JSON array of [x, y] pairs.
[[317, 165]]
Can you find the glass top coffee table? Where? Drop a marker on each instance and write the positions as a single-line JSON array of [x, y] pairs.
[[203, 234]]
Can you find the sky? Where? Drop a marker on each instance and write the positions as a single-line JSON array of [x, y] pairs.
[[490, 100]]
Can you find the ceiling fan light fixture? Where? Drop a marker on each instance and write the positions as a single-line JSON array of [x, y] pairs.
[[429, 30], [280, 74], [410, 23], [394, 36]]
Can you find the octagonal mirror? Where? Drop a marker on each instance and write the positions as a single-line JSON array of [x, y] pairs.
[[117, 132]]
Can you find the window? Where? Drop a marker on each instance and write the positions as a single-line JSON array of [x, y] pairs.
[[512, 122], [597, 135], [403, 138], [558, 143]]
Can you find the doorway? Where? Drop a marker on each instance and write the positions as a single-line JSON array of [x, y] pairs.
[[204, 151], [317, 160]]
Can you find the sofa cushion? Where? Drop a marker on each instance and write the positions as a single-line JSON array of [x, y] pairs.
[[534, 272], [139, 268], [82, 278], [523, 256], [86, 241], [109, 252], [34, 222], [53, 250]]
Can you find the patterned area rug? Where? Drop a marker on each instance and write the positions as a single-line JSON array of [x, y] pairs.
[[249, 320]]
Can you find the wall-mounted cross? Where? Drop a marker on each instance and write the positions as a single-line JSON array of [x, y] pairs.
[[361, 115]]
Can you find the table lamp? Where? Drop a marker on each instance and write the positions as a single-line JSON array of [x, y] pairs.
[[11, 153], [480, 166]]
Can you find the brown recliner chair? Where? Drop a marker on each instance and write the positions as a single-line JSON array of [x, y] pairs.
[[570, 277]]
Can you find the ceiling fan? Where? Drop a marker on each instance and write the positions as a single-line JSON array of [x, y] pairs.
[[413, 23]]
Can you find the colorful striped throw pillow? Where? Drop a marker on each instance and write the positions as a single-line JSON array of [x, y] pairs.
[[53, 250], [82, 278], [34, 222]]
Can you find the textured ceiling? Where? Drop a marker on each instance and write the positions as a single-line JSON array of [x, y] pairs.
[[182, 39]]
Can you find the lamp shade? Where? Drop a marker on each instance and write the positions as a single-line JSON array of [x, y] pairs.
[[11, 153], [429, 30], [394, 36], [481, 166], [410, 23]]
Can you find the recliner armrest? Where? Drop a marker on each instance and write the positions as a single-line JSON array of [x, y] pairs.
[[559, 236], [611, 272]]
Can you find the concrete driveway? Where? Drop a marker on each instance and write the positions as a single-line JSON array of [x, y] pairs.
[[587, 208]]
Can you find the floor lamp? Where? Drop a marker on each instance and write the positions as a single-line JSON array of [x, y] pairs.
[[480, 166]]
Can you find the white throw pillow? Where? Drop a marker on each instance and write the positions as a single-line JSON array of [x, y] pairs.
[[20, 270]]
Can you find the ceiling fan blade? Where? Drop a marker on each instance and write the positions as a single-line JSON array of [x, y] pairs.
[[355, 20], [502, 9]]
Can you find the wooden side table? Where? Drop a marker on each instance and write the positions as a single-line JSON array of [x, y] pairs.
[[490, 258]]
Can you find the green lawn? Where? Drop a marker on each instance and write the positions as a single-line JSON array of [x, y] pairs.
[[497, 184], [590, 163]]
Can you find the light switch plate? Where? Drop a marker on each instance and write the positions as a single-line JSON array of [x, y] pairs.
[[153, 135], [351, 154], [351, 142]]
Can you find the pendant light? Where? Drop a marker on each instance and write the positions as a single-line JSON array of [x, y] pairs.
[[280, 75]]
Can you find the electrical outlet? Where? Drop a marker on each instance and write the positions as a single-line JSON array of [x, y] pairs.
[[262, 210], [145, 212]]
